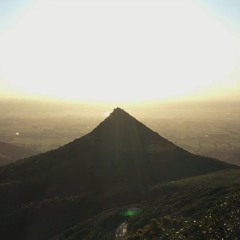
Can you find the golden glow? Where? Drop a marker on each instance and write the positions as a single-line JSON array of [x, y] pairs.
[[117, 51], [106, 114]]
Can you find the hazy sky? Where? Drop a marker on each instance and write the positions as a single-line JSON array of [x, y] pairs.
[[120, 49]]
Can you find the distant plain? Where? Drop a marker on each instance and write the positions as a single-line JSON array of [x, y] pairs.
[[206, 128]]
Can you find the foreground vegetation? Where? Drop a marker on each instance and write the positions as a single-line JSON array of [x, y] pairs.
[[199, 208], [220, 222]]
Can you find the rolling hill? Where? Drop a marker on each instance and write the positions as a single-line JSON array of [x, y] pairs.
[[114, 165], [10, 153]]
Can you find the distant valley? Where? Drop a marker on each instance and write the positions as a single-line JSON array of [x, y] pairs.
[[10, 153], [207, 128]]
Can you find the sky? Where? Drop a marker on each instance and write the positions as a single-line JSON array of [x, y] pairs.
[[120, 50]]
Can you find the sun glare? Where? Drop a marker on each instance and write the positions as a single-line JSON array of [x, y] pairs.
[[157, 50], [106, 114]]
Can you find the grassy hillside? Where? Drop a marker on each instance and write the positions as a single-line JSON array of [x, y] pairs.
[[203, 207]]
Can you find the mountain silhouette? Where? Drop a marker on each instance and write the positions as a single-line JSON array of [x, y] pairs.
[[113, 165]]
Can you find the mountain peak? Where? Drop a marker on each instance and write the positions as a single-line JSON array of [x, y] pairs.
[[119, 116], [121, 127], [120, 119], [119, 112], [118, 109]]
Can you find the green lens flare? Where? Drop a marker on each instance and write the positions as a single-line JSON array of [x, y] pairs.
[[130, 212]]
